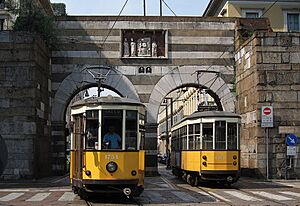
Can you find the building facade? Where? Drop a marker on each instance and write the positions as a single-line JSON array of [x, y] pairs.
[[284, 15]]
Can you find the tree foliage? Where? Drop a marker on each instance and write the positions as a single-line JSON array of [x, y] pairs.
[[32, 18]]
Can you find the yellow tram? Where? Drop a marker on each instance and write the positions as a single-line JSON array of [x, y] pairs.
[[107, 140], [205, 147]]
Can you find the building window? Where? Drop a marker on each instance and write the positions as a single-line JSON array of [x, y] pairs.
[[249, 13], [292, 22], [1, 24]]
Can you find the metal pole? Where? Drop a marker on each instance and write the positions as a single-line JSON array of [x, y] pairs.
[[99, 87], [144, 7], [171, 116], [267, 144], [161, 8]]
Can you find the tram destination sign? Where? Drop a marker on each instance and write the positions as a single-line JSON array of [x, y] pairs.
[[267, 116]]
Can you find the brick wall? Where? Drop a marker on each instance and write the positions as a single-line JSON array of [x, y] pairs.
[[268, 73], [24, 106]]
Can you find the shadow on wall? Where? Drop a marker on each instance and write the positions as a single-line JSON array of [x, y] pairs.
[[3, 155]]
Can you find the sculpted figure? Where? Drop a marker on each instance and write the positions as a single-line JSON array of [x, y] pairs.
[[125, 48], [154, 49], [132, 48]]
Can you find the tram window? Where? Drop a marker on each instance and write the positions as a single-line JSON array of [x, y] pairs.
[[194, 129], [92, 124], [220, 134], [111, 129], [131, 130], [232, 136], [184, 137], [197, 137], [207, 135]]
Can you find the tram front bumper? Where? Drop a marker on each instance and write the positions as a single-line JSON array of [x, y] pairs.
[[229, 176]]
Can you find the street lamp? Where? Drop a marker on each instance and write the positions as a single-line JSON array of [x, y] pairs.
[[167, 128]]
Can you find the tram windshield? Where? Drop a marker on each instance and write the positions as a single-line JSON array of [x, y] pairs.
[[111, 129], [217, 135]]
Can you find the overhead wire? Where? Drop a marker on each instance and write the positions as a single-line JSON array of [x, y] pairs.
[[169, 7]]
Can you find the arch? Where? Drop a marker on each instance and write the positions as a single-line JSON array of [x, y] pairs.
[[179, 77], [80, 79]]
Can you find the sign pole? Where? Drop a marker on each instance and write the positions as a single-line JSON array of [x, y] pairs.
[[267, 150]]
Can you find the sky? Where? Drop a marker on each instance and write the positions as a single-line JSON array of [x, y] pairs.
[[134, 7]]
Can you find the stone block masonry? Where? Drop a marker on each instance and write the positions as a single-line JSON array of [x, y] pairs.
[[268, 74], [24, 106]]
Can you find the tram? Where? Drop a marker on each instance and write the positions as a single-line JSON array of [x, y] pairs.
[[205, 147], [107, 146]]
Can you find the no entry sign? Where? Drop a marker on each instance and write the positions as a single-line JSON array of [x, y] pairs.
[[266, 116]]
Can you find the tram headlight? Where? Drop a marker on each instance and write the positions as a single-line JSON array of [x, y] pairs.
[[234, 163], [133, 173], [88, 172], [204, 163], [111, 167], [234, 157], [204, 157]]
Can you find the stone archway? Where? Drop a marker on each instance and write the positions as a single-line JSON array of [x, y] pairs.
[[179, 77], [78, 80]]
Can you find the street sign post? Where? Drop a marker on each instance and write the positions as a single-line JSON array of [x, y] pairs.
[[266, 116]]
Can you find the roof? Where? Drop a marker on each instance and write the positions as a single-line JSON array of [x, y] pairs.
[[196, 115], [106, 100], [211, 8]]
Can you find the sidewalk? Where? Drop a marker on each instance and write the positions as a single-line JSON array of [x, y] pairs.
[[43, 182]]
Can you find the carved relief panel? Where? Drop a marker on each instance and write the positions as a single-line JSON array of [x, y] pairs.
[[144, 44]]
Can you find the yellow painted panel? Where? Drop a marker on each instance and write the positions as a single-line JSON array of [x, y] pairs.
[[72, 154], [190, 160], [141, 167], [95, 162], [220, 160]]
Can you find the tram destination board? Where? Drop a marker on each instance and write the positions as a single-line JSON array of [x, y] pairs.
[[266, 116]]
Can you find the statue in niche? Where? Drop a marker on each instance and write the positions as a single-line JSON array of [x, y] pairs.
[[132, 48], [154, 49], [125, 48], [144, 47]]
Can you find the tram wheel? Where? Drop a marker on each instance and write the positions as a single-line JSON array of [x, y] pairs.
[[83, 194], [75, 189], [191, 179]]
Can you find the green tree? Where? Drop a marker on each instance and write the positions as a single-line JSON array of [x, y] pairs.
[[32, 18]]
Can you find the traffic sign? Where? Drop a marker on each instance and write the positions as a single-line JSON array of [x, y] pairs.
[[266, 116], [291, 140], [291, 151]]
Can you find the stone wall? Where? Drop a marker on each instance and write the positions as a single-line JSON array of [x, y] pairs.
[[268, 73], [24, 106]]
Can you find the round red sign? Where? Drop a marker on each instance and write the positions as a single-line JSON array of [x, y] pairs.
[[267, 111]]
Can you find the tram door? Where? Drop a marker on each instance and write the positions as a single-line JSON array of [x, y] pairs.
[[78, 146]]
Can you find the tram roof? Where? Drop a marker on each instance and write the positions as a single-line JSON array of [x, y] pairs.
[[106, 100], [204, 114]]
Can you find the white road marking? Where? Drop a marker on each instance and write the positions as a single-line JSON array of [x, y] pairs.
[[295, 194], [38, 197], [219, 197], [271, 196], [11, 196], [14, 190], [242, 196], [67, 196], [184, 196], [60, 190]]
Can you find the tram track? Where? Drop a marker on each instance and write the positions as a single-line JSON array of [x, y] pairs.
[[131, 200]]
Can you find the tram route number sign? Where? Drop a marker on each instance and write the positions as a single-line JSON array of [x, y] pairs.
[[267, 116]]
